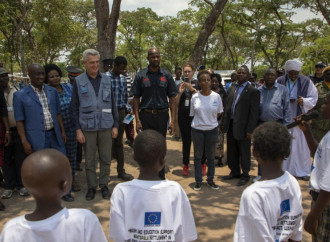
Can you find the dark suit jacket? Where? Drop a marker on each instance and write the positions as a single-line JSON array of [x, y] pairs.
[[246, 111], [27, 108]]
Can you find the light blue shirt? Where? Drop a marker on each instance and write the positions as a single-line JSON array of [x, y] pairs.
[[239, 89], [274, 104]]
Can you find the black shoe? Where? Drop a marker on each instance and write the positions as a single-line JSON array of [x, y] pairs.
[[231, 176], [243, 181], [213, 185], [2, 207], [105, 192], [126, 177], [90, 194], [68, 198], [198, 186]]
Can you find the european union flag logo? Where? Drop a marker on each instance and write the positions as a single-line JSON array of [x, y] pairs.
[[285, 206], [152, 218]]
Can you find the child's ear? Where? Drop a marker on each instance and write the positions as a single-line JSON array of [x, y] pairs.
[[162, 161], [65, 186]]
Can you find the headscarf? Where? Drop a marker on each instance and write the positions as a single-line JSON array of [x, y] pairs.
[[293, 65]]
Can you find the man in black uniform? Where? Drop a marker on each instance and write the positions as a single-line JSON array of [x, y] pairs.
[[154, 85]]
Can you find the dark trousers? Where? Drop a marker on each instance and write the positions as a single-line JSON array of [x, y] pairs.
[[117, 143], [79, 153], [156, 122], [238, 154], [204, 141], [185, 129], [14, 156]]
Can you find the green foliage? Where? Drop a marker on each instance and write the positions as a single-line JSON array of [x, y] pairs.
[[259, 33]]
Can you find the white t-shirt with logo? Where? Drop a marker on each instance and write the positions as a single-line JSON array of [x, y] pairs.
[[74, 225], [151, 211], [270, 211], [320, 175], [205, 110]]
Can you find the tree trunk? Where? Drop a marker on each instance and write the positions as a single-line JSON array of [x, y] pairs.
[[114, 17], [324, 10], [206, 31], [106, 27], [102, 24]]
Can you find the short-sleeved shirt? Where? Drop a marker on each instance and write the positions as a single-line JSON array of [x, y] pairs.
[[320, 179], [66, 225], [205, 110], [270, 211], [154, 88]]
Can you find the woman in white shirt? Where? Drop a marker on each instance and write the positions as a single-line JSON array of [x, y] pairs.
[[206, 107]]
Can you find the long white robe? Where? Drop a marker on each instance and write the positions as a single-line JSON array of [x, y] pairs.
[[299, 161]]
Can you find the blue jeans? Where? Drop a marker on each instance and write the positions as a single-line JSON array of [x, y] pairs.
[[204, 139]]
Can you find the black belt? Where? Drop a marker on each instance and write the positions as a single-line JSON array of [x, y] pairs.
[[155, 111], [314, 195], [121, 108], [13, 129], [50, 130]]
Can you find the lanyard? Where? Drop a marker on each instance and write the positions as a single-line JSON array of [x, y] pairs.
[[289, 86]]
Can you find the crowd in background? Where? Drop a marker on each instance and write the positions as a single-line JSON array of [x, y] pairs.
[[92, 110]]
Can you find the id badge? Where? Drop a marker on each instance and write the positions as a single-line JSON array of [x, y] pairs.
[[108, 110], [186, 103]]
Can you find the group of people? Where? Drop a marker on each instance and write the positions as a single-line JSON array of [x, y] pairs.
[[91, 109]]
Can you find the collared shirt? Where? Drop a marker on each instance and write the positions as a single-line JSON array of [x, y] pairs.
[[154, 88], [274, 104], [45, 108], [96, 82], [119, 89], [239, 89]]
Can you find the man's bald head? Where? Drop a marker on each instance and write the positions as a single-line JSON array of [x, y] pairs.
[[153, 50], [46, 174], [34, 66]]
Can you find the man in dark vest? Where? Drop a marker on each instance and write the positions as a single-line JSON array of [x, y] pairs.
[[95, 114]]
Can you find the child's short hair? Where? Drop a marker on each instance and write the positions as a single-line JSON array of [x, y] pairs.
[[272, 141], [149, 146]]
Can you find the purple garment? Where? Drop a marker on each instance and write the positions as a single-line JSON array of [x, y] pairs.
[[302, 85]]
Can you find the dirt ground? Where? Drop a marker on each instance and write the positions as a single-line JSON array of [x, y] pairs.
[[214, 211]]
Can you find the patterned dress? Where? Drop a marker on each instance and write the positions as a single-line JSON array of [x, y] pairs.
[[71, 141]]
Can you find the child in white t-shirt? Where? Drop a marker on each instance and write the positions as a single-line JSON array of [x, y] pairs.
[[46, 174], [317, 222], [148, 208], [270, 209]]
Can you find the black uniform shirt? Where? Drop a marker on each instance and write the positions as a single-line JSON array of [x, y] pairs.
[[154, 88]]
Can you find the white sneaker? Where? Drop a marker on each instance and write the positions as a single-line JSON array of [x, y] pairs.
[[256, 179], [23, 192], [7, 194]]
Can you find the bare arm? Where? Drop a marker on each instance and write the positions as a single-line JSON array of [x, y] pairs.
[[21, 132], [311, 141], [311, 222], [136, 108], [7, 135], [172, 110]]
